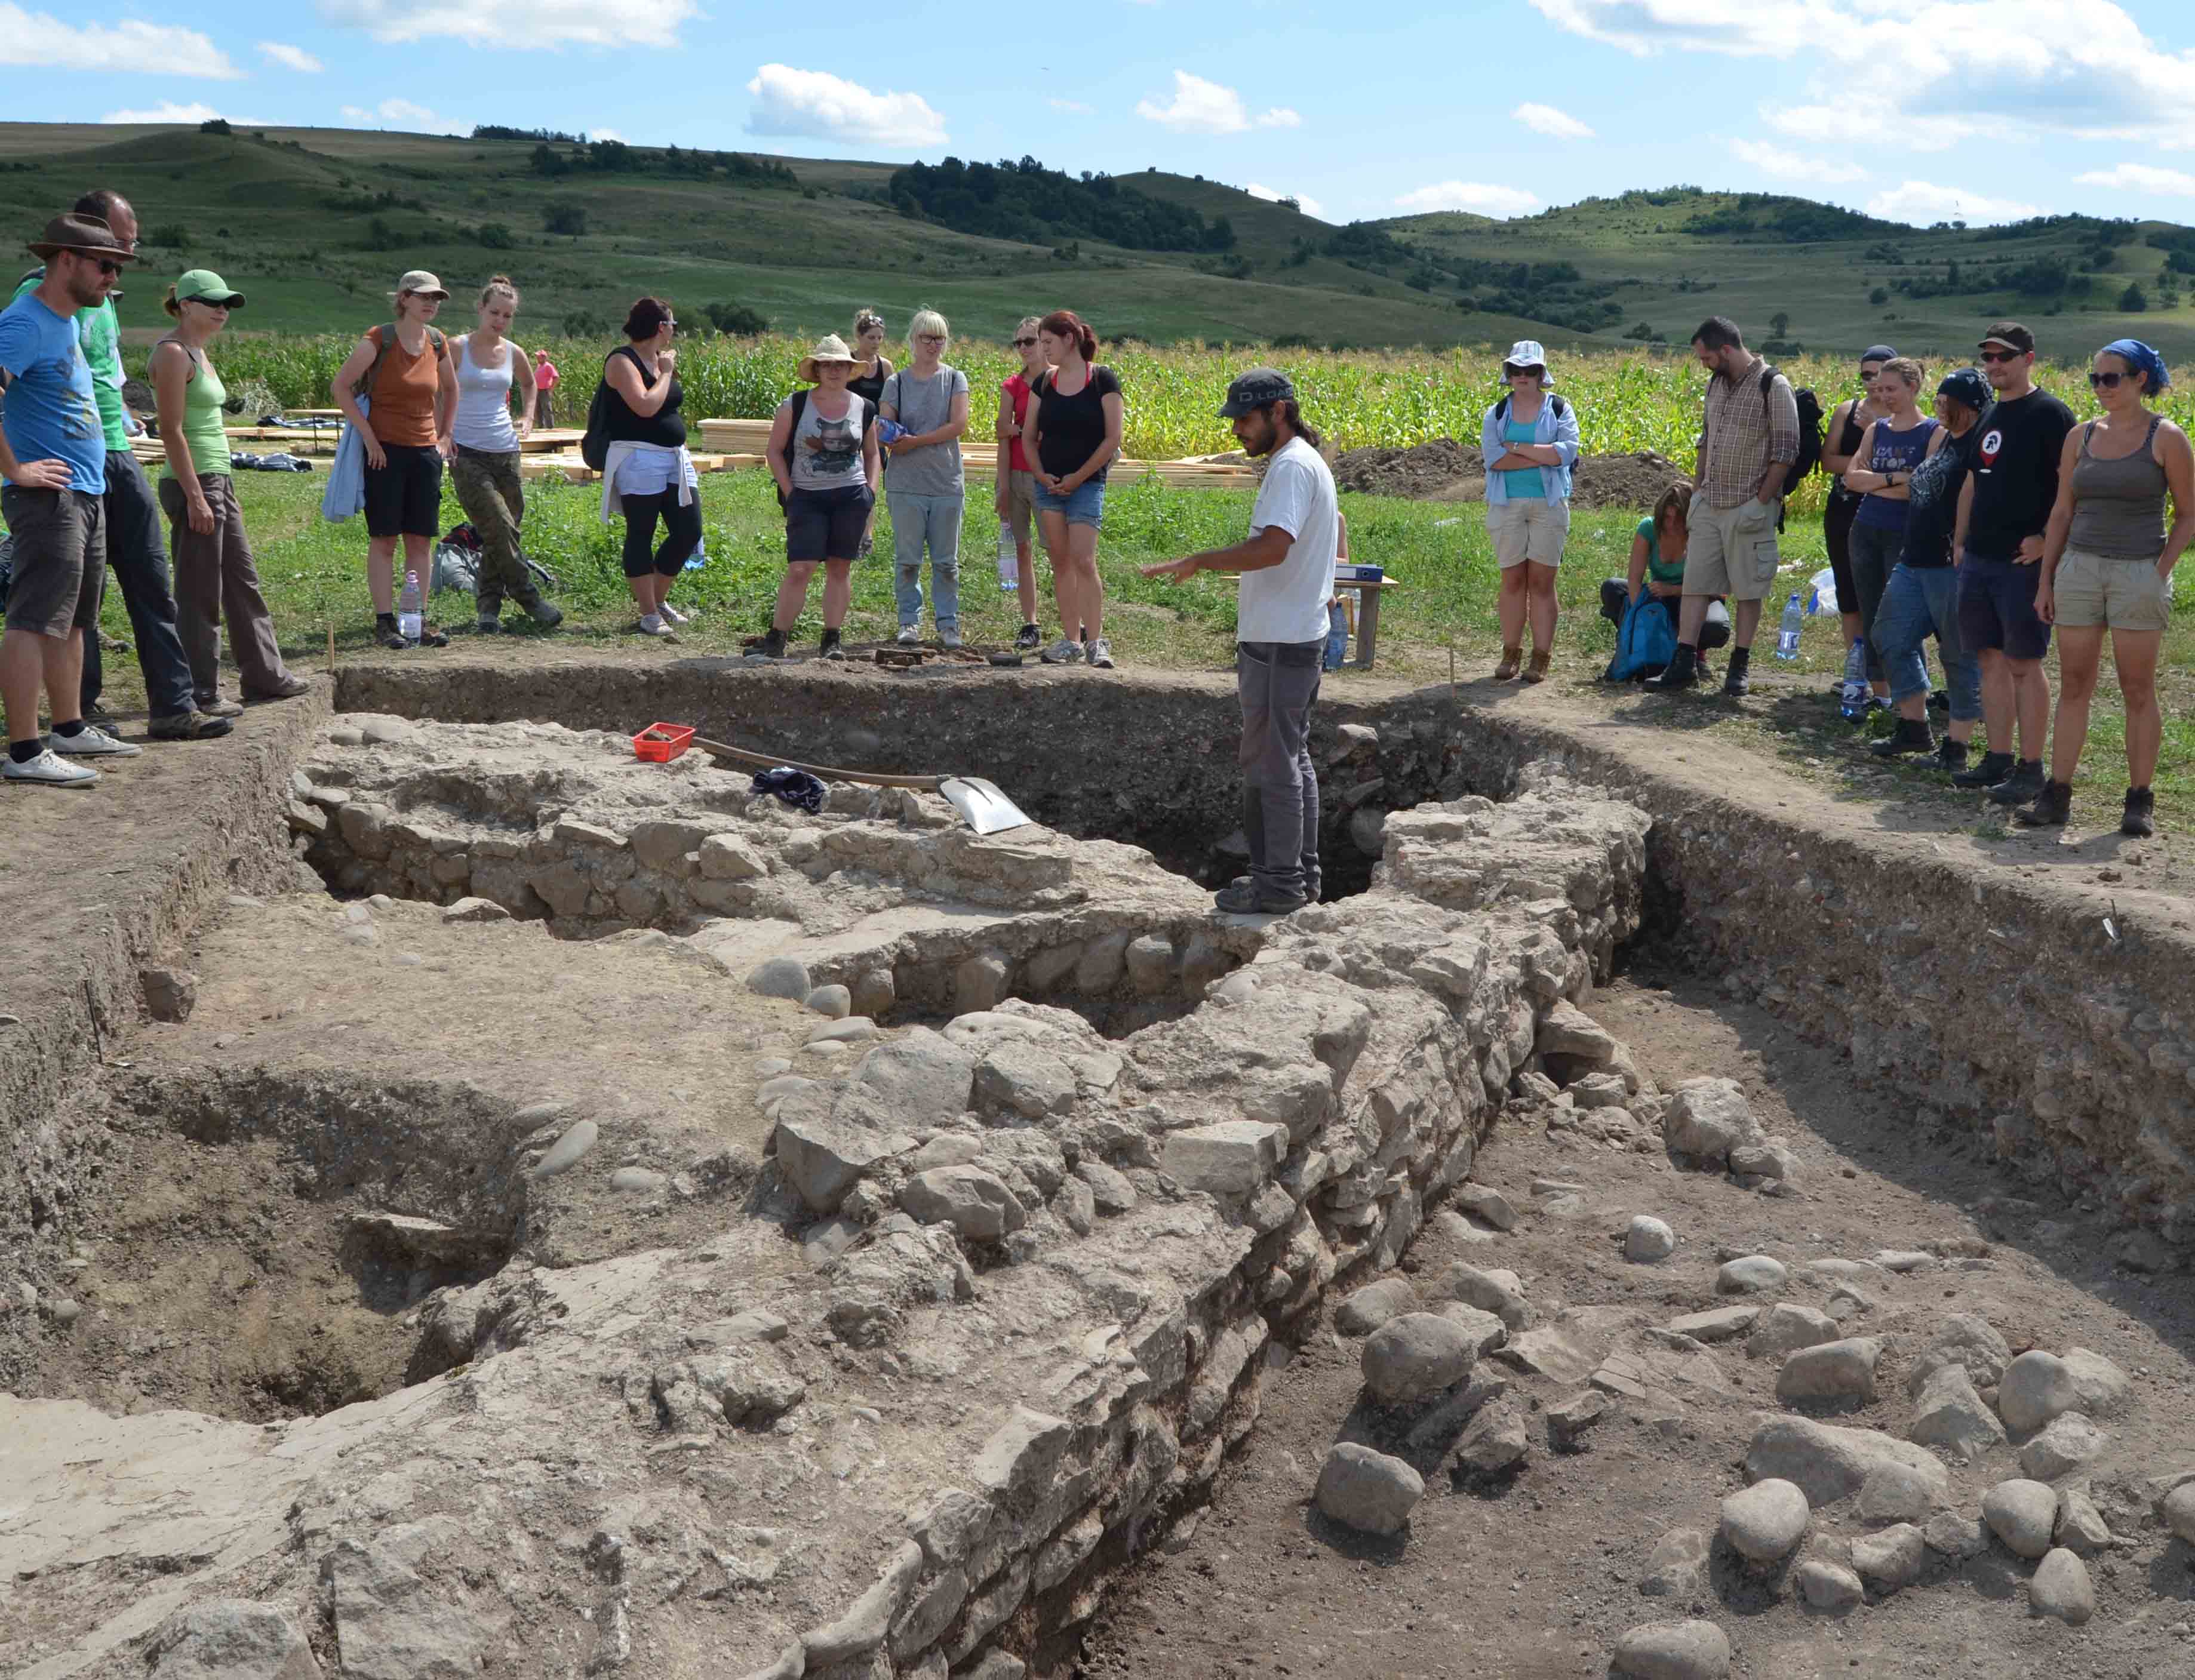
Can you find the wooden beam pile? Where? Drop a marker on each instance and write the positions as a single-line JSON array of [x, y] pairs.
[[980, 456]]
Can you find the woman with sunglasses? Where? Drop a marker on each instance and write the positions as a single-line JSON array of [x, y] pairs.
[[872, 367], [215, 576], [2107, 560], [1016, 495]]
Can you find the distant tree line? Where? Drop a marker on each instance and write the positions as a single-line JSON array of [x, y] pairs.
[[614, 157], [1027, 201]]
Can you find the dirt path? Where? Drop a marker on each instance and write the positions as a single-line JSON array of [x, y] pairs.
[[1537, 1578]]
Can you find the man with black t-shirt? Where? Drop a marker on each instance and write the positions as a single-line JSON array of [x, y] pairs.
[[2012, 458]]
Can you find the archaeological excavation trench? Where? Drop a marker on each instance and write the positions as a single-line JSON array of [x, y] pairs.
[[524, 1211]]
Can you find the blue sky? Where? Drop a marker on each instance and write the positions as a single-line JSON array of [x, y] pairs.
[[1920, 110]]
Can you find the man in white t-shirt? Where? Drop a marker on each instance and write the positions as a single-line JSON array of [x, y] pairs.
[[1281, 627]]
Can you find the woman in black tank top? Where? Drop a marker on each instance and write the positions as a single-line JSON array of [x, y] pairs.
[[872, 367], [1846, 424]]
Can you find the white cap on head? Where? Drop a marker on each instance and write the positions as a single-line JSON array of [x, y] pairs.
[[1527, 353]]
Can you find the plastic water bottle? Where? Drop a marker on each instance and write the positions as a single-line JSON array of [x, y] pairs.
[[1851, 698], [411, 609], [700, 557], [1337, 635], [1787, 638], [1010, 563]]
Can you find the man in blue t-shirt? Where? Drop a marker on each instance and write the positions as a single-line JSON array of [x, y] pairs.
[[53, 456]]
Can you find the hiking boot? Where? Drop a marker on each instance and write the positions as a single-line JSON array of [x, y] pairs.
[[484, 625], [1099, 652], [100, 717], [1511, 657], [290, 687], [1911, 735], [949, 636], [910, 636], [1990, 770], [1247, 898], [1537, 671], [430, 636], [51, 770], [1028, 639], [91, 743], [188, 726], [2025, 781], [386, 633], [1940, 701], [545, 614], [2048, 808], [833, 645], [1063, 652], [1951, 756], [1682, 671], [772, 646], [1735, 682], [2139, 818], [216, 707]]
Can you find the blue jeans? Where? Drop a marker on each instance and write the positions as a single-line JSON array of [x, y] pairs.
[[934, 520], [1917, 601]]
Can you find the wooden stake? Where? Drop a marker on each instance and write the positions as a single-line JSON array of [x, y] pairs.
[[331, 646], [1451, 670]]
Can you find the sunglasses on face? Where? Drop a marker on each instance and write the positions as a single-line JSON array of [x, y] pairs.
[[2107, 382], [2002, 355], [1024, 343], [222, 304]]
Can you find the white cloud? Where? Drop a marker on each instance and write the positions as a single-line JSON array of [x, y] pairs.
[[1470, 195], [290, 58], [38, 40], [820, 106], [608, 133], [1308, 205], [168, 112], [402, 113], [1831, 128], [2081, 67], [1555, 124], [1795, 165], [2140, 178], [1199, 106], [1074, 107], [540, 23], [1922, 202]]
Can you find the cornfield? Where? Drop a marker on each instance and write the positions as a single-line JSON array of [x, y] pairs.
[[1626, 401]]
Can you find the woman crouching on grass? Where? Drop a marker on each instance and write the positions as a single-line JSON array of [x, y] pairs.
[[2107, 562], [1076, 420], [215, 576], [1528, 440]]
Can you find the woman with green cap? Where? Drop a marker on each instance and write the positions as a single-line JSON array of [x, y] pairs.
[[215, 576]]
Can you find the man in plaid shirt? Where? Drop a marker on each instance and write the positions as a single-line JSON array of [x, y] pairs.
[[1748, 441]]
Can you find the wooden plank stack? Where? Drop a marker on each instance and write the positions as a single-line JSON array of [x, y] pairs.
[[980, 456]]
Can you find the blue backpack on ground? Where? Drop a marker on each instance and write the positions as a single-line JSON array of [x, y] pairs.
[[1645, 640]]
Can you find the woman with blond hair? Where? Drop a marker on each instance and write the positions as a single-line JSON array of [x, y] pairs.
[[490, 370], [1076, 420], [928, 401], [215, 576], [1891, 450], [403, 373], [1015, 500]]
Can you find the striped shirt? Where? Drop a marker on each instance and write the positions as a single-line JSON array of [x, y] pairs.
[[1743, 433]]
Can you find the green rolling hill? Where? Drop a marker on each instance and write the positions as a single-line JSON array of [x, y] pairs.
[[316, 223]]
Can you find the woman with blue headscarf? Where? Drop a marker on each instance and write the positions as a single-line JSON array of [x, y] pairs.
[[2107, 560]]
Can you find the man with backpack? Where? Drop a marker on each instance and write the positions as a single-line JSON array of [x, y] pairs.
[[1752, 451]]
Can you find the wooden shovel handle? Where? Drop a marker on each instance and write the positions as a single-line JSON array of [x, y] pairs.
[[871, 778]]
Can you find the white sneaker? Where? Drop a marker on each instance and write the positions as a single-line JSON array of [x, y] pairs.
[[910, 636], [52, 769], [92, 743], [653, 625], [1099, 652], [1063, 651], [950, 637], [672, 615]]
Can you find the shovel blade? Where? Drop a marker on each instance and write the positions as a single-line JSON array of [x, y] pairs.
[[981, 806]]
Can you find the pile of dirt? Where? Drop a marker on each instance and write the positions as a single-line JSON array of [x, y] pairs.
[[1445, 470]]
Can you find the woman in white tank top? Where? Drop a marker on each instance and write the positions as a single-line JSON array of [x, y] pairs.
[[485, 467]]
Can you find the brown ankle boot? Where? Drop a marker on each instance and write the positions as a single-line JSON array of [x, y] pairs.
[[1511, 658], [1537, 671]]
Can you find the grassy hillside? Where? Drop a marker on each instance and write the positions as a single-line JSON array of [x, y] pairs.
[[316, 223]]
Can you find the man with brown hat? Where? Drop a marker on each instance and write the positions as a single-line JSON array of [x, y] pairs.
[[53, 456]]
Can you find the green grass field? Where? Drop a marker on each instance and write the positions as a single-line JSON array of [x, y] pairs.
[[313, 574]]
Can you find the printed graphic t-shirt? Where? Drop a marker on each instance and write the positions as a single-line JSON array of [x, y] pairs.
[[826, 454], [50, 413], [2014, 452]]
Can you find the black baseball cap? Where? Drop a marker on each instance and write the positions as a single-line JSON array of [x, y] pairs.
[[1965, 385], [1255, 389], [2011, 336]]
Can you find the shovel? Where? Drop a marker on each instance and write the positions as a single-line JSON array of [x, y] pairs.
[[981, 806]]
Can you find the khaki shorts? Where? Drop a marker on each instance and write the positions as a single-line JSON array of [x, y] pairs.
[[2124, 595], [1730, 551], [1021, 503], [1528, 529]]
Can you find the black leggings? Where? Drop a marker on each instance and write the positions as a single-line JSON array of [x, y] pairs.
[[682, 532]]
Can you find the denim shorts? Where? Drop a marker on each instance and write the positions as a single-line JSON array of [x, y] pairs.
[[1085, 505]]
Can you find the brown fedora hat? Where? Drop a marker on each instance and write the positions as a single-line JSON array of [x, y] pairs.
[[85, 233]]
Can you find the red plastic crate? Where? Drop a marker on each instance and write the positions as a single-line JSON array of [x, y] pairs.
[[660, 743]]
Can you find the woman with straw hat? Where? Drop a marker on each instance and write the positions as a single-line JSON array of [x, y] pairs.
[[215, 578], [823, 454]]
